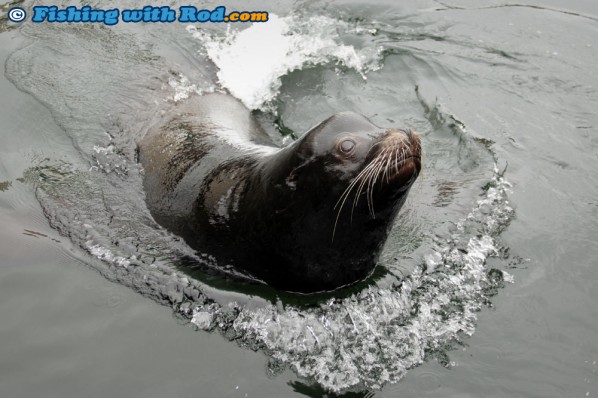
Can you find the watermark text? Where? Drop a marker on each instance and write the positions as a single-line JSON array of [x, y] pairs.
[[147, 14]]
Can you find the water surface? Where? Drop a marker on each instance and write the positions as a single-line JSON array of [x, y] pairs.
[[490, 88]]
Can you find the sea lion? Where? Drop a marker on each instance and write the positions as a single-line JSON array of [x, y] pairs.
[[308, 217]]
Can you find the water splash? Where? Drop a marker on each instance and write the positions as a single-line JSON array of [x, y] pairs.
[[183, 88], [251, 62]]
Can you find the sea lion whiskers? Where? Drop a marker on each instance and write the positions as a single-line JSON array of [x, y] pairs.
[[372, 182], [385, 175], [380, 165], [362, 177], [384, 160], [345, 194], [370, 179], [355, 180]]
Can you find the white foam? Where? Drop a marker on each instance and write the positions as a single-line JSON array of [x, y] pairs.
[[105, 254], [251, 62], [182, 87]]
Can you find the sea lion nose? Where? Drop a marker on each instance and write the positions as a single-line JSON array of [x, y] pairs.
[[414, 140]]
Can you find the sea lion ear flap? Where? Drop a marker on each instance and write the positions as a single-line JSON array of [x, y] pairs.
[[291, 179]]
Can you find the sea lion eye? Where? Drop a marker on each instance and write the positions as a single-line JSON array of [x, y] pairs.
[[346, 146]]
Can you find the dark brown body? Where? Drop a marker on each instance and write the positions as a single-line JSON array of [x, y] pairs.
[[213, 177]]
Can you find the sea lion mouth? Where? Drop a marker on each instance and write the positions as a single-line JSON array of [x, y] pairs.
[[401, 173], [398, 156]]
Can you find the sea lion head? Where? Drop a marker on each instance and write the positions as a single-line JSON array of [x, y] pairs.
[[345, 181], [348, 156]]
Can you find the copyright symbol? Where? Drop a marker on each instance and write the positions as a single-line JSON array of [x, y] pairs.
[[17, 14]]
